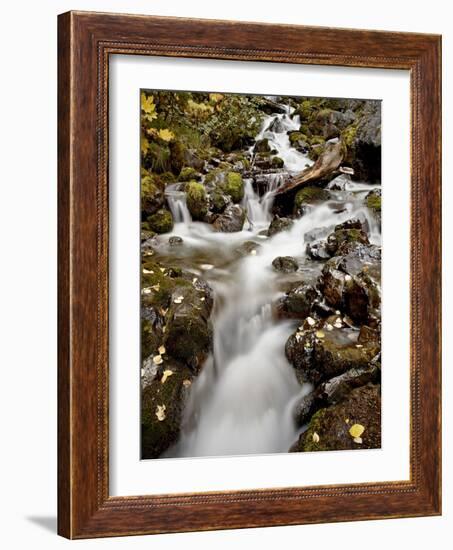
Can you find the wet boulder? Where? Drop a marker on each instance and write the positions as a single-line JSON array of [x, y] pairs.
[[328, 351], [161, 221], [175, 241], [310, 196], [151, 194], [188, 334], [329, 428], [248, 248], [366, 145], [262, 146], [279, 224], [234, 186], [197, 200], [277, 126], [189, 174], [231, 220], [218, 200], [335, 390], [297, 303], [162, 406], [285, 264]]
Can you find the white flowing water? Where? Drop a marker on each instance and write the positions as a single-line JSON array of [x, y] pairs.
[[243, 400]]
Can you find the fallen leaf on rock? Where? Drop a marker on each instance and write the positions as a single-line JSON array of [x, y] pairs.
[[162, 269], [157, 360], [146, 291], [156, 287], [202, 299], [206, 267], [319, 334], [347, 278], [178, 299], [356, 430], [164, 328], [166, 374], [253, 252], [160, 412], [329, 327], [194, 280], [358, 440], [187, 383], [311, 321], [315, 437], [147, 270], [161, 350]]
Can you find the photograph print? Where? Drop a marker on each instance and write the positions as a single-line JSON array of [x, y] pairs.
[[260, 258]]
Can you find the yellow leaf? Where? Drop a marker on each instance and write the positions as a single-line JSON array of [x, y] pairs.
[[319, 334], [315, 437], [186, 383], [160, 412], [144, 145], [157, 360], [166, 135], [358, 440], [215, 98], [162, 350], [148, 107], [356, 430], [166, 374]]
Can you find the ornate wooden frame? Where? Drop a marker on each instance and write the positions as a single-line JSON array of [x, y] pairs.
[[85, 41]]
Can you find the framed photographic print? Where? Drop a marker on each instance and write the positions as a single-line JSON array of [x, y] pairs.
[[249, 275]]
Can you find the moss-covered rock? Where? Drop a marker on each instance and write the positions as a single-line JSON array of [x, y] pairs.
[[188, 173], [277, 162], [162, 406], [373, 201], [188, 335], [320, 354], [234, 186], [151, 194], [197, 200], [161, 221], [297, 302], [285, 264], [329, 428], [219, 200], [262, 146], [177, 156], [279, 224], [310, 195]]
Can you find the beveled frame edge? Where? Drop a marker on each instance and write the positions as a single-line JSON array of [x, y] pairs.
[[85, 41]]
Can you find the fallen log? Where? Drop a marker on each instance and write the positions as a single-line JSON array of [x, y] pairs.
[[324, 168]]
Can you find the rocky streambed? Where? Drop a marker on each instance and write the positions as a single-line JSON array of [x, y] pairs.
[[260, 295]]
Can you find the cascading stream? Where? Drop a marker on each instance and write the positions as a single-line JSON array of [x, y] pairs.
[[242, 401]]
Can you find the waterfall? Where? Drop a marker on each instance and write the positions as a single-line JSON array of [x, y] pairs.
[[242, 401], [177, 203]]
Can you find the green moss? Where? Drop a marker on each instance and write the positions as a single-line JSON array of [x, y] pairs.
[[294, 137], [166, 178], [161, 221], [214, 176], [277, 162], [348, 135], [197, 200], [188, 173], [159, 432], [317, 140], [373, 201], [306, 109], [234, 186], [308, 195], [161, 283]]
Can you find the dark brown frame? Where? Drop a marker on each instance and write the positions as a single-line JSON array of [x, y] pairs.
[[85, 41]]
